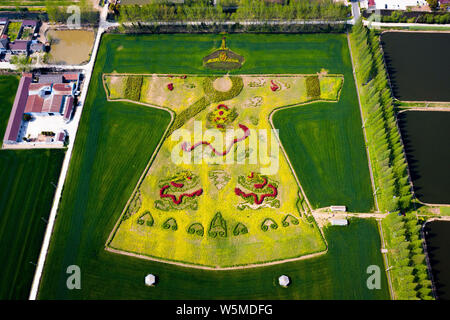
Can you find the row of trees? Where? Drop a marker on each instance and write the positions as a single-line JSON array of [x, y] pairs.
[[408, 267], [137, 27], [406, 257], [393, 189], [60, 14], [398, 16], [246, 10]]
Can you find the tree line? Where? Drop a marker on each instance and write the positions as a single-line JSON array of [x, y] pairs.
[[393, 191], [203, 10], [59, 14]]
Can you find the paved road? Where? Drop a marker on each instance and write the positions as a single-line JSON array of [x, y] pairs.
[[88, 68]]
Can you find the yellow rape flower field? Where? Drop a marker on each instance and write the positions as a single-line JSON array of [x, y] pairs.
[[210, 198]]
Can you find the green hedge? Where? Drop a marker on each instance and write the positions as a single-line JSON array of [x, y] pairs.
[[133, 87], [313, 87]]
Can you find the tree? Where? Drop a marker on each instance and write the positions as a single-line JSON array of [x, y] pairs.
[[433, 4], [22, 62]]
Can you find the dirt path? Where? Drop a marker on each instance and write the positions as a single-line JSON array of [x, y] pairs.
[[186, 265]]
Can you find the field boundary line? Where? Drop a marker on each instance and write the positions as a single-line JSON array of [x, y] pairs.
[[431, 109], [147, 167], [369, 162], [282, 147], [194, 266]]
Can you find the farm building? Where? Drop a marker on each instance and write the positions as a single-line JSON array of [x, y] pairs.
[[19, 47], [284, 281], [392, 4], [338, 208], [150, 280], [48, 105], [339, 222], [15, 119]]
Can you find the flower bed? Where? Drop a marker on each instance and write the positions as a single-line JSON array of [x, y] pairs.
[[261, 190], [170, 224], [213, 95], [133, 87], [312, 87], [218, 226], [179, 192], [221, 116], [146, 218], [269, 223], [239, 229], [184, 146], [289, 220], [196, 229]]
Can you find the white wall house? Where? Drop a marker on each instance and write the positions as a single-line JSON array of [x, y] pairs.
[[393, 4]]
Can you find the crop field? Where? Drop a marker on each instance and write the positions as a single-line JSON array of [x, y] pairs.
[[110, 156], [35, 3], [243, 237], [26, 196]]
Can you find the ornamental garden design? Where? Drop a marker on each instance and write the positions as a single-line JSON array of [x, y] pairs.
[[218, 215]]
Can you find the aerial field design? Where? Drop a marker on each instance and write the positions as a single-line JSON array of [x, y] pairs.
[[178, 212], [132, 130]]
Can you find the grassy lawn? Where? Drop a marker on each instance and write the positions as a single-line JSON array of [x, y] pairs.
[[32, 3], [13, 30], [115, 142], [25, 200]]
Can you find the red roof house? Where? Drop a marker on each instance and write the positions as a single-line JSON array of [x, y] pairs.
[[15, 118], [68, 107]]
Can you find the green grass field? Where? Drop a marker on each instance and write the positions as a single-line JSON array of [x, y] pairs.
[[329, 136], [37, 3], [113, 146], [26, 196]]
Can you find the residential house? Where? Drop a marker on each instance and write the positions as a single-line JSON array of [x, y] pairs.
[[48, 102], [392, 4], [15, 124], [33, 24], [19, 47]]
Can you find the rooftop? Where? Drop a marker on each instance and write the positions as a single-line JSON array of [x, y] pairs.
[[19, 45], [15, 118], [30, 23]]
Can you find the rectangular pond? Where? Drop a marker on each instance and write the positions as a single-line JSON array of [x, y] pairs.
[[426, 135], [437, 235], [418, 65]]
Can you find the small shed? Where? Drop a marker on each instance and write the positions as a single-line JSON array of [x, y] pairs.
[[339, 222], [284, 281], [150, 280], [338, 208]]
